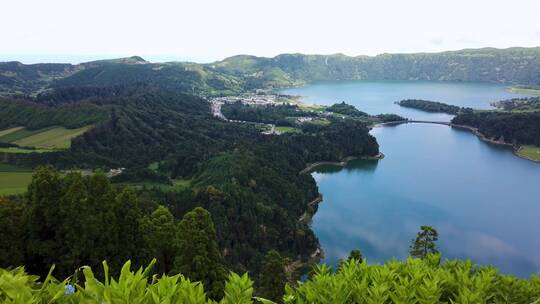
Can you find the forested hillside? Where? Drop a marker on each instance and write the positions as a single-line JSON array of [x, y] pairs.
[[33, 115], [18, 78], [249, 182], [275, 114], [248, 73], [529, 104], [178, 77], [152, 124], [518, 128], [433, 106], [515, 65]]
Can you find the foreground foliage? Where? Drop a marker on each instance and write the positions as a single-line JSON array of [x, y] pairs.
[[248, 181], [412, 281], [129, 287]]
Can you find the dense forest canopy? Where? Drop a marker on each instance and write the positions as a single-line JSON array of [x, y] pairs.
[[33, 115], [514, 65], [433, 106], [520, 128], [519, 104], [345, 109], [274, 114], [248, 181]]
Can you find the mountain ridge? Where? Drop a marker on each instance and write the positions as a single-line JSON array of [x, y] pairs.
[[241, 73]]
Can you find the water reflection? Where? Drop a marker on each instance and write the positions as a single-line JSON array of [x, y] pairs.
[[375, 97], [368, 165], [482, 199]]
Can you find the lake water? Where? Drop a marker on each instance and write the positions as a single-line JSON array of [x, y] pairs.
[[483, 200], [376, 97]]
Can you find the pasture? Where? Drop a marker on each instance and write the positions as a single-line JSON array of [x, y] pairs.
[[530, 152], [14, 180], [42, 140]]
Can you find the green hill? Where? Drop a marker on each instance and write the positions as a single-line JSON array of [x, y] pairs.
[[236, 74], [513, 65]]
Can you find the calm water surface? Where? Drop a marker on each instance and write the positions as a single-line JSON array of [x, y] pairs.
[[483, 200], [376, 97]]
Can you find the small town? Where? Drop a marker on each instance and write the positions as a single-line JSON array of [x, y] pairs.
[[257, 100]]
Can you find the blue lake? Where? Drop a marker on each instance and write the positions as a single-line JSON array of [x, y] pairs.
[[376, 97], [483, 200]]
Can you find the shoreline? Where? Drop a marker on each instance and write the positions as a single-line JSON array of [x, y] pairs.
[[294, 268], [520, 89], [516, 153], [342, 163], [311, 208], [475, 131]]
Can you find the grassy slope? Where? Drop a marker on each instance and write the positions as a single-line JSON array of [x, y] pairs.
[[21, 150], [9, 131], [20, 133], [56, 138], [530, 152], [13, 180], [288, 130], [524, 91], [177, 184]]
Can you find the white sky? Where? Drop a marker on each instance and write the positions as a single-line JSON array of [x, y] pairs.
[[206, 30]]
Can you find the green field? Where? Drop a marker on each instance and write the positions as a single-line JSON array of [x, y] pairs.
[[14, 180], [177, 184], [12, 168], [22, 151], [19, 133], [57, 138], [519, 90], [298, 100], [44, 140], [8, 131], [530, 152], [287, 130]]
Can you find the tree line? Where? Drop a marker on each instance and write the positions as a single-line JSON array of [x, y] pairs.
[[518, 128], [248, 181], [433, 106], [415, 280]]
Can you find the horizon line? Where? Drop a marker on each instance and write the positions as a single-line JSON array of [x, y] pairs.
[[166, 58]]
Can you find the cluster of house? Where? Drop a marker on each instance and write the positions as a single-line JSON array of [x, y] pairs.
[[249, 100], [304, 119], [115, 172]]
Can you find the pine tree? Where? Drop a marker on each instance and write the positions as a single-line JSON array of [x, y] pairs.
[[272, 279], [130, 241], [161, 238], [199, 258], [11, 234], [75, 233], [425, 242], [101, 197], [355, 255], [43, 222]]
